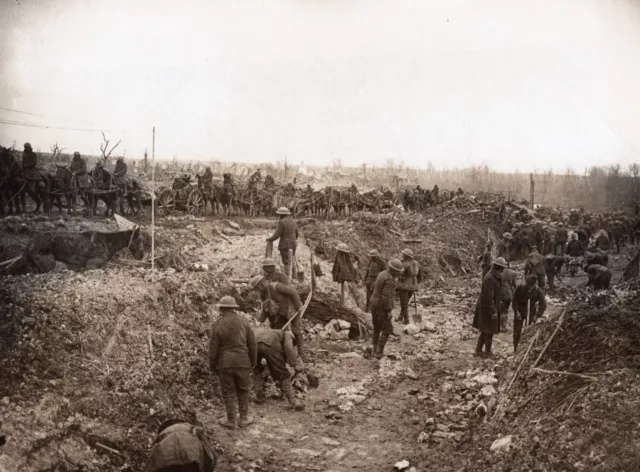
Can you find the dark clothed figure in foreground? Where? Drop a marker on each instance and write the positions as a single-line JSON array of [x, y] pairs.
[[382, 304], [487, 315], [528, 302]]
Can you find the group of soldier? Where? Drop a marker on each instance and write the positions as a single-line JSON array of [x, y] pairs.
[[27, 178], [500, 289]]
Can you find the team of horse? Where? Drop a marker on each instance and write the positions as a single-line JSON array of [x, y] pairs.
[[51, 189]]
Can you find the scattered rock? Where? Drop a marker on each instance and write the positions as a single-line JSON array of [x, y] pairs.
[[233, 225], [402, 465], [487, 391], [413, 391], [330, 442], [336, 454], [429, 326]]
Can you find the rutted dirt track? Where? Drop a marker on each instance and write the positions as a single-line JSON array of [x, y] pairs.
[[95, 361]]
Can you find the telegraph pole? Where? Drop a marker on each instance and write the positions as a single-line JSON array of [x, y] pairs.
[[153, 197], [533, 186]]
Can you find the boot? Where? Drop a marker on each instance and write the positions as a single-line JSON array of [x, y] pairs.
[[487, 345], [380, 347], [479, 345], [258, 383], [287, 388], [243, 406], [230, 421]]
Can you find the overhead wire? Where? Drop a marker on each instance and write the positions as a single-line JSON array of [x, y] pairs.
[[13, 110], [66, 128]]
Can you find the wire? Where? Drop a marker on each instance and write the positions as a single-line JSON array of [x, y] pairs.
[[33, 125], [47, 116]]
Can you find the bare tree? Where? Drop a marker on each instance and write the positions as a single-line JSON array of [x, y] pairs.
[[56, 152], [104, 148]]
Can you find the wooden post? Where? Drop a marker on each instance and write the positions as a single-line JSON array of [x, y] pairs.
[[153, 197], [342, 293], [532, 188], [290, 266]]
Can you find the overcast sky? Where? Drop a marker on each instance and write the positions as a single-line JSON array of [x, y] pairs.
[[526, 84]]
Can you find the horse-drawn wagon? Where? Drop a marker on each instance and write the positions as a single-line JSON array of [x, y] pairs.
[[183, 195]]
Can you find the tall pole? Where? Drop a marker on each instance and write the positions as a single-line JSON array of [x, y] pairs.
[[153, 198], [532, 183]]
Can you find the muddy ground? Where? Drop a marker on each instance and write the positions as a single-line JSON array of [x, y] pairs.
[[94, 362]]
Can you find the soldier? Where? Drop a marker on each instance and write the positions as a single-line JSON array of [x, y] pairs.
[[277, 348], [31, 174], [271, 274], [486, 258], [527, 298], [287, 233], [504, 247], [232, 354], [181, 447], [535, 265], [78, 165], [487, 313], [376, 265], [407, 283], [277, 299], [508, 286], [561, 240], [547, 243], [120, 176], [599, 276], [575, 248], [553, 266], [382, 304]]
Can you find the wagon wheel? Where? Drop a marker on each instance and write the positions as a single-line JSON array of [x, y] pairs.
[[195, 203], [166, 202]]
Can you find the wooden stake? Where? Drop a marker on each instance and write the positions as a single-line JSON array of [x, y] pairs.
[[290, 274], [550, 339], [558, 372], [342, 293], [121, 321], [526, 354]]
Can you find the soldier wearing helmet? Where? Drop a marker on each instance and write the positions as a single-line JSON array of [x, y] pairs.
[[529, 299], [271, 273], [287, 233], [504, 247], [277, 347], [487, 314], [120, 175], [277, 302], [407, 283], [382, 304], [376, 265], [232, 354], [31, 174]]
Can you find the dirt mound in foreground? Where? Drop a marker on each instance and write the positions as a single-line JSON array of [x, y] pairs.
[[573, 406]]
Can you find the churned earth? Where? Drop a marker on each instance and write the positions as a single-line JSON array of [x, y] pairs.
[[94, 362]]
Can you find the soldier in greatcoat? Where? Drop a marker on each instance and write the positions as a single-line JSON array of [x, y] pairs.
[[232, 354], [376, 265], [487, 315], [287, 233], [407, 283], [382, 300]]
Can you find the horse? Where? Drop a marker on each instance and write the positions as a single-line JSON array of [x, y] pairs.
[[79, 250], [105, 190], [70, 185]]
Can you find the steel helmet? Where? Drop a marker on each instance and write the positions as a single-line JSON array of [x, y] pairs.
[[76, 154], [374, 253], [395, 265], [408, 252], [27, 145], [227, 302], [283, 211], [253, 283], [507, 236], [342, 247], [268, 262], [500, 262]]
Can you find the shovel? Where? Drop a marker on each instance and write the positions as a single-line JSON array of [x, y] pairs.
[[299, 273], [417, 318], [269, 249]]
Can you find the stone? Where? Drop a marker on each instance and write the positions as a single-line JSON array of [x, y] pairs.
[[411, 374], [401, 465], [411, 329], [234, 225], [413, 391], [487, 391], [429, 326], [423, 437], [502, 444], [342, 324], [336, 454], [430, 422], [330, 442], [441, 434]]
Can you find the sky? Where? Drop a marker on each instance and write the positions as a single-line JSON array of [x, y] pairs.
[[512, 84]]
